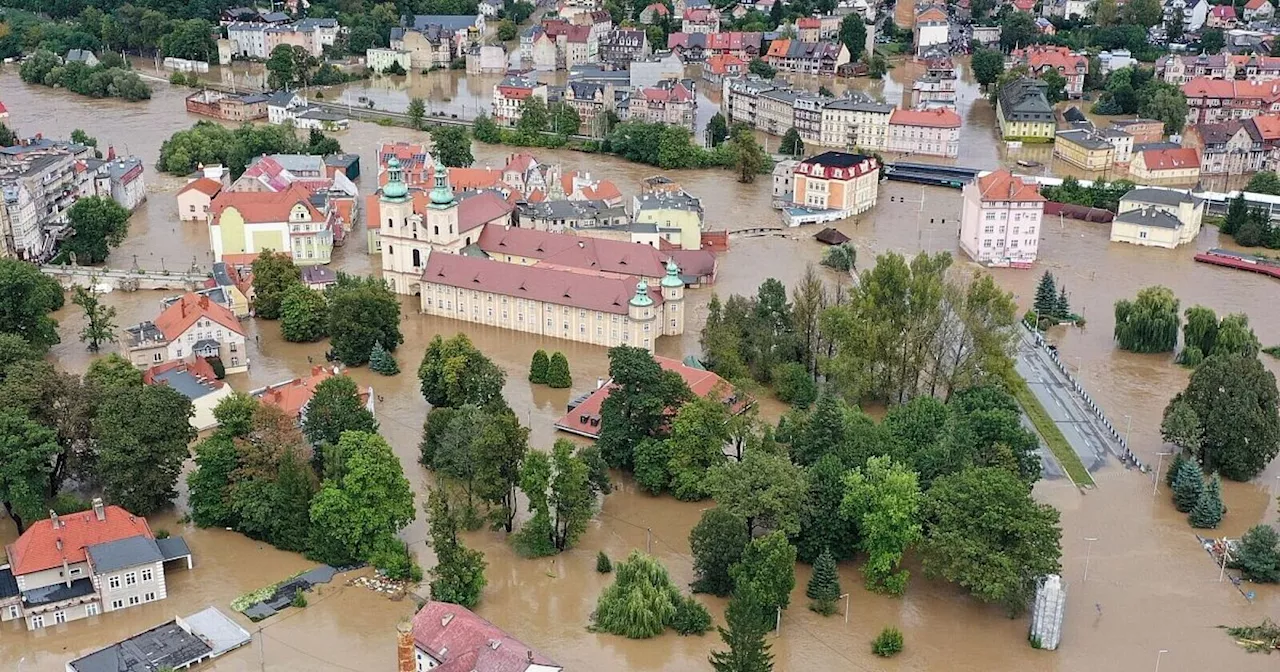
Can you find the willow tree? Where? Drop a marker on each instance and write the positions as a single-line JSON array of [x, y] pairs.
[[642, 601], [1148, 323]]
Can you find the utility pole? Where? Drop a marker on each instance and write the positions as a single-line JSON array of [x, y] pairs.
[[1087, 555], [1159, 461]]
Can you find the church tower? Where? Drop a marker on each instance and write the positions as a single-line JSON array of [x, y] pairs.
[[442, 213], [641, 313], [672, 300], [398, 231]]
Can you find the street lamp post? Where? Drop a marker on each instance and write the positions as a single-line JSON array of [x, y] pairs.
[[1160, 653], [1087, 555], [845, 597], [1127, 429], [1156, 481], [1226, 552]]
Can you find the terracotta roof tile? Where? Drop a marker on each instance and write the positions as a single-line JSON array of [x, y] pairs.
[[1171, 159], [938, 118], [550, 285], [1001, 185], [466, 642], [174, 321], [38, 548], [616, 257], [265, 206], [204, 185], [290, 396]]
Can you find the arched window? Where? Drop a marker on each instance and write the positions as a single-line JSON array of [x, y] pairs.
[[417, 258], [435, 230], [468, 240], [390, 250]]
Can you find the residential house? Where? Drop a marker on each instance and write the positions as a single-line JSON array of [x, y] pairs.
[[809, 29], [178, 644], [82, 564], [1024, 113], [932, 28], [195, 197], [1142, 130], [248, 39], [987, 36], [83, 56], [118, 179], [720, 66], [584, 415], [677, 216], [589, 100], [193, 326], [1222, 17], [1180, 69], [435, 40], [620, 46], [446, 637], [703, 20], [380, 59], [1258, 10], [810, 58], [654, 13], [294, 396], [1172, 165], [1214, 100], [1083, 147], [490, 8], [227, 106], [1000, 220], [313, 35], [1040, 59], [930, 132], [248, 222], [509, 97], [1231, 147], [1115, 59], [671, 103], [937, 87], [784, 176], [196, 380], [561, 215], [856, 121], [1157, 217], [844, 183], [697, 47], [1192, 13]]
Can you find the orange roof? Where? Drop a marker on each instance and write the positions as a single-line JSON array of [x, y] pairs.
[[1001, 185], [939, 118], [208, 187], [1255, 4], [290, 396], [935, 14], [1040, 56], [181, 314], [266, 206], [720, 63], [372, 215], [778, 48], [1268, 126], [44, 546], [244, 259], [1171, 159], [462, 179], [809, 22], [1203, 87]]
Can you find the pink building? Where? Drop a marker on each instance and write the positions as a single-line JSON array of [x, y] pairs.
[[1000, 220], [933, 132]]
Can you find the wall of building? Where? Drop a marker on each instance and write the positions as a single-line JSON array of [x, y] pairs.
[[143, 589]]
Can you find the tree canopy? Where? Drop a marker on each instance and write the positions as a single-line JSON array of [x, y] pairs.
[[454, 372], [1233, 400], [362, 312]]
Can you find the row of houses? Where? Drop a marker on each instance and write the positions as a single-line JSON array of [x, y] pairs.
[[667, 101], [436, 40], [852, 121], [278, 107], [1180, 69], [560, 43], [1211, 101], [258, 39]]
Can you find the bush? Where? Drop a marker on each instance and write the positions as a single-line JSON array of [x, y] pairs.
[[794, 385], [215, 363], [66, 503], [641, 602], [538, 368], [602, 563], [888, 644], [162, 533], [299, 600], [178, 79], [843, 257], [558, 371], [393, 558], [691, 618]]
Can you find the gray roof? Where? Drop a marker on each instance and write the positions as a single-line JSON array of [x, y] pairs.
[[667, 201], [191, 387], [859, 105], [1149, 216], [8, 584], [121, 553], [1024, 100], [595, 73], [220, 274], [281, 98], [1147, 146], [57, 592], [300, 163], [1084, 138], [205, 345], [173, 548], [446, 21], [144, 331], [1160, 196], [120, 167], [79, 55], [166, 645], [315, 275]]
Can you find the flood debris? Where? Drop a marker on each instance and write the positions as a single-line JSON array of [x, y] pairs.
[[1263, 637]]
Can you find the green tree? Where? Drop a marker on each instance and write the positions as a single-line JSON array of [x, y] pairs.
[[26, 461], [717, 542], [453, 373], [191, 39], [1105, 12], [362, 312], [1181, 427], [453, 146], [303, 314], [888, 643], [1062, 307], [273, 275], [8, 138], [762, 69], [1257, 557], [853, 34], [322, 145], [717, 130], [636, 407], [141, 434], [486, 130], [289, 66], [696, 445], [382, 361], [1235, 337], [99, 318], [1262, 182], [562, 118], [235, 414], [1148, 324], [27, 296], [791, 144], [1211, 41], [1168, 104], [209, 484], [533, 116], [747, 619], [336, 408], [507, 30], [1234, 398], [416, 111], [824, 585], [985, 532], [501, 449], [97, 225], [879, 66], [603, 565], [794, 385], [822, 530], [538, 368], [640, 603], [691, 617], [1057, 85], [558, 372], [988, 64], [371, 501], [1208, 511], [1046, 296], [1237, 214], [749, 158], [767, 491], [769, 565], [1188, 485], [884, 500], [458, 575], [1145, 13], [562, 496]]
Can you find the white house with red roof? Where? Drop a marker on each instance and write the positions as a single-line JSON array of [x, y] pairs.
[[195, 197], [1000, 220], [1222, 17], [671, 103], [933, 132], [73, 566], [4, 111], [1254, 10], [192, 326], [446, 637], [509, 97], [1040, 59]]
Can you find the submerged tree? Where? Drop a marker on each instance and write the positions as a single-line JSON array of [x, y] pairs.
[[1208, 511], [538, 368], [747, 619], [883, 500], [1258, 557], [1188, 485], [458, 575], [717, 542], [824, 585], [641, 602], [99, 318], [1149, 323]]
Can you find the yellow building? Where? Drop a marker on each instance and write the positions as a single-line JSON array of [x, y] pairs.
[[1024, 112], [1180, 165], [1082, 148], [1157, 217], [676, 216], [248, 223]]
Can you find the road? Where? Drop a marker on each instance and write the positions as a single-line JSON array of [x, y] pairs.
[[1088, 435]]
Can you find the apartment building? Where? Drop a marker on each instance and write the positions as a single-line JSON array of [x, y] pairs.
[[808, 58], [1258, 10], [1024, 112], [563, 215], [721, 66], [930, 132], [1000, 220], [449, 637], [855, 122], [250, 222], [705, 20], [227, 106], [1084, 148], [1235, 147], [1040, 59], [672, 102], [837, 181], [1180, 165], [435, 40], [620, 46], [932, 28], [1191, 13], [192, 326], [697, 47], [40, 180], [509, 97], [119, 179], [379, 59], [83, 564], [1211, 101]]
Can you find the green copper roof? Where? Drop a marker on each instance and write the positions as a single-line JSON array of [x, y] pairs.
[[642, 298], [672, 279], [395, 190], [441, 194]]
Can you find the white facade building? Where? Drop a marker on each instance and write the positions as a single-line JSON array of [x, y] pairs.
[[1000, 220]]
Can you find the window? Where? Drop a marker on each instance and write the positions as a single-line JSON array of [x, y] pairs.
[[134, 599], [91, 609], [233, 347], [149, 597], [130, 578], [1142, 234], [113, 582], [417, 258], [59, 617], [147, 574], [77, 571], [117, 604], [13, 611], [157, 357], [37, 621], [235, 361]]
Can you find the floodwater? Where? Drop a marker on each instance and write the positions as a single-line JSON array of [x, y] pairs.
[[1149, 587]]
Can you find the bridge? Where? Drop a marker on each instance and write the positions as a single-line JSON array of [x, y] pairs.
[[69, 275]]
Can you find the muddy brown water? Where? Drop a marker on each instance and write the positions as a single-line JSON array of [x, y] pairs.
[[1149, 586]]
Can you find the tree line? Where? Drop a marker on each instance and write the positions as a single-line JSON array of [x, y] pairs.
[[109, 79], [1100, 194], [1252, 227], [207, 143], [168, 31]]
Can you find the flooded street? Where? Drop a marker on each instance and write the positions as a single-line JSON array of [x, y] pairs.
[[1149, 586]]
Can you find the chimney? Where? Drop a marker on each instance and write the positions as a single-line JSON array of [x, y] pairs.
[[53, 518], [529, 655], [405, 658], [58, 543], [599, 383], [99, 510]]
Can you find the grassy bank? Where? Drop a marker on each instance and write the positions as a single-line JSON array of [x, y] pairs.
[[1048, 430]]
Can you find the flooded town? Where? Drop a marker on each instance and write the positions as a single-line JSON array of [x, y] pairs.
[[1140, 588]]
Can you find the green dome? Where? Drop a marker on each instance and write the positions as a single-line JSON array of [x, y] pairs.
[[672, 279], [396, 189], [642, 298], [441, 194]]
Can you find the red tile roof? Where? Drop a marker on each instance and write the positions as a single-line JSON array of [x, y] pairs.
[[1268, 126], [723, 63], [1252, 4], [43, 546], [196, 366], [1171, 159], [372, 213], [557, 286], [265, 206], [701, 382], [699, 14], [465, 642], [1001, 185], [1203, 87], [1223, 12], [778, 48], [208, 187], [290, 396], [809, 22], [562, 250], [937, 15], [181, 314], [938, 118], [659, 8], [1060, 58]]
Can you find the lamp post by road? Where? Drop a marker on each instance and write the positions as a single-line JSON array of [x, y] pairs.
[[1226, 557], [1160, 653], [1127, 429], [845, 597], [1156, 481], [1087, 555]]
